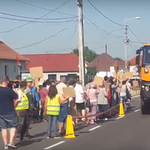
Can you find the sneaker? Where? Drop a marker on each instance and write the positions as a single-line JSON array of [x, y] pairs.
[[48, 137], [28, 136], [6, 147], [13, 146]]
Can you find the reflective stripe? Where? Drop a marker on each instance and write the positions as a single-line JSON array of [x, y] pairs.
[[53, 110], [22, 105], [53, 106]]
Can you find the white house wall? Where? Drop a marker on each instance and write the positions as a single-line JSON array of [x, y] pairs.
[[103, 74], [12, 71], [58, 75]]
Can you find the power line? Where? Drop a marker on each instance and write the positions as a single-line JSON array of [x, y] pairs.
[[132, 47], [103, 14], [43, 40], [30, 21], [103, 30], [135, 35], [26, 17], [7, 31], [43, 8]]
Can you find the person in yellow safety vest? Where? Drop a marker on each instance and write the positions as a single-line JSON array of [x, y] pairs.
[[52, 109], [21, 110]]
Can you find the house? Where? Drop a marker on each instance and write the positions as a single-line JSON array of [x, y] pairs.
[[54, 66], [103, 64], [10, 62], [133, 61]]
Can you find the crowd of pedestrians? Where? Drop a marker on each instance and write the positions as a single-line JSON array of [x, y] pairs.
[[19, 105]]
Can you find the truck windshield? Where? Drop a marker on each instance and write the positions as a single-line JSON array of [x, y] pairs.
[[147, 55]]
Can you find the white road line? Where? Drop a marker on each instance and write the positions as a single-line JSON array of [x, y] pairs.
[[54, 145], [94, 128], [137, 110], [119, 118]]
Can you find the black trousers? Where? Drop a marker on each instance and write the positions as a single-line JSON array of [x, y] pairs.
[[22, 123]]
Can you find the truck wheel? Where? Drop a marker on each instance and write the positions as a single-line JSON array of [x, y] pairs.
[[145, 108]]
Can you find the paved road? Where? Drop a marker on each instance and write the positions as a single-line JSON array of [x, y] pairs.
[[130, 132]]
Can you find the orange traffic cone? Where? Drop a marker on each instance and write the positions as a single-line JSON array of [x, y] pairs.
[[69, 128], [121, 110]]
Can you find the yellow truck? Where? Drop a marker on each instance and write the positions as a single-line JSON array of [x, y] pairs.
[[143, 63]]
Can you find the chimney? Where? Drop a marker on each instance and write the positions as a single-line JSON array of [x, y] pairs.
[[106, 48]]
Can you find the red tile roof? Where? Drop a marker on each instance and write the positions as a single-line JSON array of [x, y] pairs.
[[133, 61], [7, 53], [104, 61], [54, 62]]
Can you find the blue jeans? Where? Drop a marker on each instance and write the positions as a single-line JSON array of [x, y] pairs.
[[52, 124], [63, 112]]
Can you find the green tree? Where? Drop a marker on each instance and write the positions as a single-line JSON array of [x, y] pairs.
[[117, 58], [89, 55]]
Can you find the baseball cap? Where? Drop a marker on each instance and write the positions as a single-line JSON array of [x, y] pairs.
[[29, 79]]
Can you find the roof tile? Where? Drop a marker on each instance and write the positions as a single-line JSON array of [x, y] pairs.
[[54, 62]]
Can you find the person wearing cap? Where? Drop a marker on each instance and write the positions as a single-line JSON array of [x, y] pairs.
[[21, 110], [29, 94]]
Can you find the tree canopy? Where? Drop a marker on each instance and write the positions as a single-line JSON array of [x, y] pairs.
[[89, 55]]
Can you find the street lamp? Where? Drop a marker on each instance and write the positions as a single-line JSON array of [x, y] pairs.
[[126, 41]]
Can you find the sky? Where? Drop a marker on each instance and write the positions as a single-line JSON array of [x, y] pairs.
[[59, 33]]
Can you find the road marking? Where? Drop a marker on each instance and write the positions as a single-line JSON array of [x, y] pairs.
[[54, 145], [94, 128], [137, 110], [119, 118]]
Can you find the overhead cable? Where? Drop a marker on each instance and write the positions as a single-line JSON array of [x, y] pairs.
[[135, 35], [18, 27], [43, 8], [103, 14]]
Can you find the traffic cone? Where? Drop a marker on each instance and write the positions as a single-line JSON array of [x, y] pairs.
[[69, 128], [121, 110]]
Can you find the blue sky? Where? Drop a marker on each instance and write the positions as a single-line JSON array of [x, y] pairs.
[[64, 42]]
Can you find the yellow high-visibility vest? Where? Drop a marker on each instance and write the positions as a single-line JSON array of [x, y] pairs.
[[53, 106], [24, 103]]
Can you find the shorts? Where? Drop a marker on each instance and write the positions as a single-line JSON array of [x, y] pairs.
[[8, 121], [80, 106], [63, 112]]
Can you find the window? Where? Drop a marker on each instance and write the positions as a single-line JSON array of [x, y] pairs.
[[6, 70], [52, 77], [147, 55], [14, 68]]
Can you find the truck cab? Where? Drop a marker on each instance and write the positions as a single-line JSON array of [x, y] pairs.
[[143, 63]]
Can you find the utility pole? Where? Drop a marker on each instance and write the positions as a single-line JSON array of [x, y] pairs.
[[106, 48], [126, 41], [81, 42]]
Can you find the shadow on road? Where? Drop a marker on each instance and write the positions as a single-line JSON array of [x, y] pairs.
[[25, 143]]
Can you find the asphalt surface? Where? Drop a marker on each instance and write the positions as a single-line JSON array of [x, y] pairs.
[[130, 132]]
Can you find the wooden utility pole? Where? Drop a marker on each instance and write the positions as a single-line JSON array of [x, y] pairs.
[[81, 42]]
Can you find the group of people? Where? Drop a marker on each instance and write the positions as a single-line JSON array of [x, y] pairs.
[[19, 105]]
